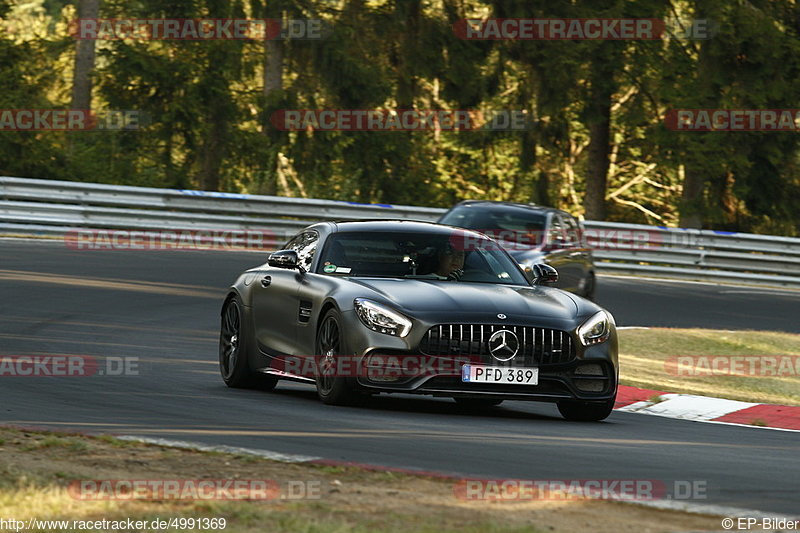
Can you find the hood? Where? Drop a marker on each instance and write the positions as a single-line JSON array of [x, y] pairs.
[[429, 296]]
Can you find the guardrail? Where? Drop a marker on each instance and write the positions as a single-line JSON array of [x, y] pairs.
[[48, 207]]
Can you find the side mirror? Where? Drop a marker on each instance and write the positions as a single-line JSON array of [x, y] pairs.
[[544, 274], [285, 259]]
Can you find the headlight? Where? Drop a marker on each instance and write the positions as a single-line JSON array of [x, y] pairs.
[[381, 319], [597, 329]]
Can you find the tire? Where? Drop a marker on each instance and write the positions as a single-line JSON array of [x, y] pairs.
[[588, 291], [585, 411], [233, 344], [478, 403], [330, 343]]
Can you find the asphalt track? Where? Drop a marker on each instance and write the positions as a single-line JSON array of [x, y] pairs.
[[162, 308]]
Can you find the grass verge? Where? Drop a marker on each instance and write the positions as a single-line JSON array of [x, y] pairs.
[[651, 359], [37, 468]]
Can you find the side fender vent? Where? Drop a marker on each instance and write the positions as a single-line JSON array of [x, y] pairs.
[[305, 311]]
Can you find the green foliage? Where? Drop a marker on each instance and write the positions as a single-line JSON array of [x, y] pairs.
[[208, 119]]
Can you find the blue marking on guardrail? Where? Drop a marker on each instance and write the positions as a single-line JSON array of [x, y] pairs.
[[215, 194], [720, 232], [673, 229], [388, 206]]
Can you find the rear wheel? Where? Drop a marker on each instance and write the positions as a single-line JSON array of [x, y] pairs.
[[233, 365], [331, 388], [585, 411], [478, 403]]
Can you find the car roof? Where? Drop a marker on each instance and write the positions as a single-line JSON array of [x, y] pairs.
[[350, 226], [513, 205]]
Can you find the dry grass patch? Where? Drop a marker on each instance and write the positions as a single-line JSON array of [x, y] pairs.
[[644, 354], [34, 479]]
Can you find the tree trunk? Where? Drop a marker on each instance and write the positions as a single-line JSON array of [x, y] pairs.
[[692, 204], [213, 150], [222, 60], [597, 168], [408, 15], [691, 208], [273, 67], [543, 189], [527, 137], [527, 159], [599, 122], [84, 59], [273, 86]]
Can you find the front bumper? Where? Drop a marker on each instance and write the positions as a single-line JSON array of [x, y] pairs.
[[560, 382], [592, 374]]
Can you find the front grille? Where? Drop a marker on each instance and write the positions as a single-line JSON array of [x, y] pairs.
[[537, 346]]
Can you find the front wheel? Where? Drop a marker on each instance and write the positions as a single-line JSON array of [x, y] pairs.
[[332, 389], [582, 411], [233, 364]]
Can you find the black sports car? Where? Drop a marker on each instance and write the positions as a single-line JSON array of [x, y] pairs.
[[369, 307], [533, 234]]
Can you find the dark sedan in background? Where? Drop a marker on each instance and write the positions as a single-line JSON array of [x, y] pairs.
[[360, 308], [533, 234]]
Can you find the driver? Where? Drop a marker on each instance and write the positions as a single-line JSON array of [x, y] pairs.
[[450, 262]]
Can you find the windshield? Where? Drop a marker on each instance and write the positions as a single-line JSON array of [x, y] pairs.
[[508, 224], [460, 257]]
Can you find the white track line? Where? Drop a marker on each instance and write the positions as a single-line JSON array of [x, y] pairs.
[[185, 445]]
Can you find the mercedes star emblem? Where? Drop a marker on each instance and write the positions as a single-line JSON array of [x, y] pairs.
[[503, 345]]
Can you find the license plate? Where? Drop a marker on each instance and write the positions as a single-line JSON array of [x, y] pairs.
[[499, 374]]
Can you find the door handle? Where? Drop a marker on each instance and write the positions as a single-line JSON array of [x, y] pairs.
[[266, 280]]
